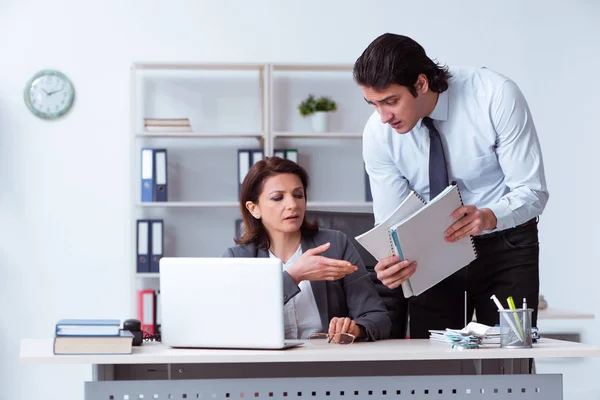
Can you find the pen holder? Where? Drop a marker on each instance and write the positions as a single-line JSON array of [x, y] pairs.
[[515, 328]]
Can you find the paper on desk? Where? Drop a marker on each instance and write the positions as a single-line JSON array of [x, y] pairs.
[[470, 337]]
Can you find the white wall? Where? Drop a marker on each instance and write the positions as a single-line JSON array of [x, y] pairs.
[[64, 203]]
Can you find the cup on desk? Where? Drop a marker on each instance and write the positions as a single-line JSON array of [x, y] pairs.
[[515, 328]]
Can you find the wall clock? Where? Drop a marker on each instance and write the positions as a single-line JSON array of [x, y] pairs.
[[49, 94]]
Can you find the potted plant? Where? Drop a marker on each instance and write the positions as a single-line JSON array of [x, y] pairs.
[[317, 109]]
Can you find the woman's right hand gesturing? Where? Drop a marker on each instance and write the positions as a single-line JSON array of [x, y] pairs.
[[313, 267]]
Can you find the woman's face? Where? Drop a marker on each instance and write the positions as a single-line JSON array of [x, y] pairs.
[[281, 204]]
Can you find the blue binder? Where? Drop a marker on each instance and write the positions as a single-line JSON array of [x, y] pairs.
[[143, 236], [147, 174], [246, 159], [157, 236], [160, 175]]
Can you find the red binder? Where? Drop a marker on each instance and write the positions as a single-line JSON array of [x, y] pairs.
[[147, 310]]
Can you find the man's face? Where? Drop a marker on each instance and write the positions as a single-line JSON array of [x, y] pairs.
[[397, 106]]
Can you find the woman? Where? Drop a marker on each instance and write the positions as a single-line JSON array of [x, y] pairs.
[[326, 286]]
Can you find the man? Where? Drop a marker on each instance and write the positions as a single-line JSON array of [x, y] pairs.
[[433, 125]]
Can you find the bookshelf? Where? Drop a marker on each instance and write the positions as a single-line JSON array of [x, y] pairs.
[[315, 135], [230, 107], [199, 135], [192, 204]]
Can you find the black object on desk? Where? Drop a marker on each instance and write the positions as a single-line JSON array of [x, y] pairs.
[[135, 327]]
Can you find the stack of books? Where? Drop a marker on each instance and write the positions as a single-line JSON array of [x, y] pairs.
[[167, 125], [91, 336]]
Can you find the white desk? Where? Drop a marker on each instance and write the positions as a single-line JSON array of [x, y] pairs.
[[556, 313], [550, 316], [380, 370]]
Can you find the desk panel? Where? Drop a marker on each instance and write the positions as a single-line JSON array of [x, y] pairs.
[[525, 387], [306, 370]]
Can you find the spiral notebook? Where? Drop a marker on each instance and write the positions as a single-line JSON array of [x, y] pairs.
[[415, 232]]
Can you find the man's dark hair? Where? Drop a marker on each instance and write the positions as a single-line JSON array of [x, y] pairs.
[[396, 59]]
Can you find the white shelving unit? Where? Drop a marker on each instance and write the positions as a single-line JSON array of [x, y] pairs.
[[201, 135], [315, 135], [192, 204], [234, 106], [333, 159]]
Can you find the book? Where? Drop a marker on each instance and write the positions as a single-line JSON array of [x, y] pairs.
[[167, 125], [121, 344], [88, 327], [415, 232], [166, 122], [165, 128]]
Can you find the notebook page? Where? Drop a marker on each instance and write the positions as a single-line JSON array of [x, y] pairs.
[[377, 240]]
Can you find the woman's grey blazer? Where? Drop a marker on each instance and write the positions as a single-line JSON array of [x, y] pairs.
[[353, 296]]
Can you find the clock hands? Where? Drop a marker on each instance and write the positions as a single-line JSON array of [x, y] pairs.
[[55, 91]]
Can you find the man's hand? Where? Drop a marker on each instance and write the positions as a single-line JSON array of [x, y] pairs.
[[471, 221], [392, 272]]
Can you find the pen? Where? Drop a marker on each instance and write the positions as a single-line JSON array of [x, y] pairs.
[[510, 322], [525, 314], [465, 304], [511, 305]]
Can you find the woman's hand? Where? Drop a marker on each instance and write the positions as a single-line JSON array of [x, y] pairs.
[[345, 325], [313, 267]]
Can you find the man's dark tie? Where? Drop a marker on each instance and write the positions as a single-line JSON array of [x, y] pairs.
[[438, 172]]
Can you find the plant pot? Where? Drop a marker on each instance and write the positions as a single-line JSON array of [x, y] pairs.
[[318, 121]]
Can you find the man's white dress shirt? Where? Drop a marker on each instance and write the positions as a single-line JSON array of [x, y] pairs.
[[490, 143]]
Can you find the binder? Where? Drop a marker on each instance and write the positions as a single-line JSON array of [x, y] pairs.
[[257, 155], [246, 159], [415, 232], [160, 175], [147, 310], [292, 155], [157, 248], [288, 154], [244, 164], [143, 245], [157, 313], [147, 174]]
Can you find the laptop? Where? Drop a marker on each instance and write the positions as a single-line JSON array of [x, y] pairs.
[[234, 303]]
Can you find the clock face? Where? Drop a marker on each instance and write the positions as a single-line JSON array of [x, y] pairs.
[[49, 94]]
